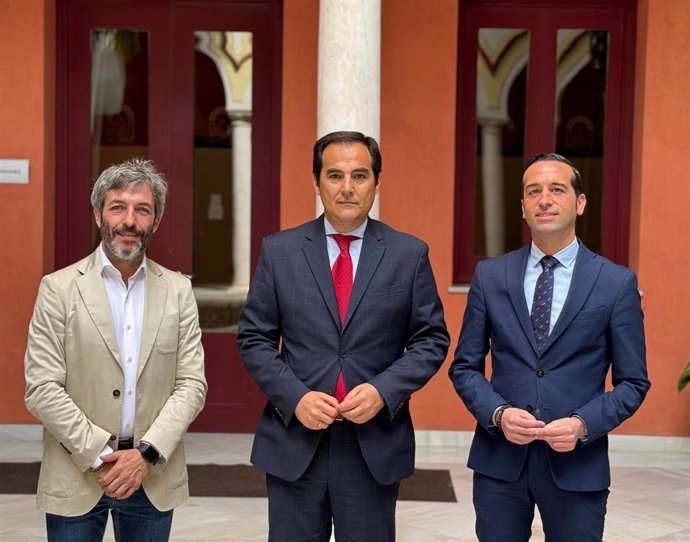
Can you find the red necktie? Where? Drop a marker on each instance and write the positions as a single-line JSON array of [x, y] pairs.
[[342, 281]]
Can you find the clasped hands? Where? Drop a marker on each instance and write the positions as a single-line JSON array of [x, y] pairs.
[[124, 474], [521, 427], [317, 410]]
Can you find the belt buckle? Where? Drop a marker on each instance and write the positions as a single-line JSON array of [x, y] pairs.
[[125, 443]]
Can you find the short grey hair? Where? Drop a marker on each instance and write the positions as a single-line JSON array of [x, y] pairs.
[[130, 173]]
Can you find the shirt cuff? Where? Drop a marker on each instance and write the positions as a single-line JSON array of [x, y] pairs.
[[98, 462]]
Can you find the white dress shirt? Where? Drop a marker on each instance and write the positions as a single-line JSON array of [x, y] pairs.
[[355, 244], [127, 309], [562, 276]]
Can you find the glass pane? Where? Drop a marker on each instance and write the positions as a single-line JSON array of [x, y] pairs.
[[222, 176], [580, 114], [502, 58], [119, 100]]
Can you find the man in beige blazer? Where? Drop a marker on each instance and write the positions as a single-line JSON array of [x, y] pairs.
[[115, 373]]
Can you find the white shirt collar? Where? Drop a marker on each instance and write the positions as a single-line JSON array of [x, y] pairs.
[[357, 232], [566, 256], [106, 266]]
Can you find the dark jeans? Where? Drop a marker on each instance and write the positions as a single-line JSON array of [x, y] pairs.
[[135, 519]]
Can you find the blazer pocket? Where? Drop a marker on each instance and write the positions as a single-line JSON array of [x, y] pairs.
[[393, 289], [166, 340], [59, 476], [592, 314]]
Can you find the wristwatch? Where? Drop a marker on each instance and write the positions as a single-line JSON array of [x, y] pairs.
[[149, 453]]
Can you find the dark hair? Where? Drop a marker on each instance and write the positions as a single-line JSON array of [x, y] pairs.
[[575, 180], [346, 137], [130, 173]]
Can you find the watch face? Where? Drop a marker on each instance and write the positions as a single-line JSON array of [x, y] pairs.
[[149, 453]]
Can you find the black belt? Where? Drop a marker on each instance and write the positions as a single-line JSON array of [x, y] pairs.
[[125, 443]]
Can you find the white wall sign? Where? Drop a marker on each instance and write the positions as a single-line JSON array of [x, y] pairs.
[[14, 171]]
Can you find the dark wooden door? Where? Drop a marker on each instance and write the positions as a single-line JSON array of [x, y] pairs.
[[548, 76], [195, 87]]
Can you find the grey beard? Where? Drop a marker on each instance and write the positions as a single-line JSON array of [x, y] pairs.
[[128, 256]]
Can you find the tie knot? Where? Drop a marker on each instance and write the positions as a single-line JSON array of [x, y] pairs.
[[548, 262], [344, 240]]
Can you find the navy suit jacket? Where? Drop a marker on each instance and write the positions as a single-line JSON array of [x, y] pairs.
[[599, 328], [292, 342]]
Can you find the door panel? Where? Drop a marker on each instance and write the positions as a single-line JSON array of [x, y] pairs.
[[574, 97], [202, 161]]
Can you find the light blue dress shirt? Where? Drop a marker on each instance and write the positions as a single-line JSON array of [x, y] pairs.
[[355, 246], [562, 276]]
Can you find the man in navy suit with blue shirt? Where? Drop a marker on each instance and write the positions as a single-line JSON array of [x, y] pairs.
[[342, 325], [556, 318]]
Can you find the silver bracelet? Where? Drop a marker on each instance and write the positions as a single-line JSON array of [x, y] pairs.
[[499, 416]]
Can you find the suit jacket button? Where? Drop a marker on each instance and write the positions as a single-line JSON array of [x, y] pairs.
[[116, 393], [343, 354], [529, 409], [112, 437], [540, 373]]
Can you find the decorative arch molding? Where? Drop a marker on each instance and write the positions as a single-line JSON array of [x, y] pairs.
[[231, 52], [502, 54]]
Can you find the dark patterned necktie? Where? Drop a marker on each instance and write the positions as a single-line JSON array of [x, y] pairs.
[[541, 306], [342, 282]]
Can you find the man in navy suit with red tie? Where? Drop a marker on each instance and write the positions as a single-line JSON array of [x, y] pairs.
[[342, 325], [556, 318]]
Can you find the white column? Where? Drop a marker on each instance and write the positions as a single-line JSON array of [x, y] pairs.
[[241, 201], [492, 184], [349, 76]]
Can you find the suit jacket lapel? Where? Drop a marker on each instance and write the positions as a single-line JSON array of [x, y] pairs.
[[373, 247], [316, 254], [156, 293], [92, 291], [585, 274], [515, 281]]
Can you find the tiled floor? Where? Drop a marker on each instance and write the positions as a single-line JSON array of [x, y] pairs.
[[649, 502]]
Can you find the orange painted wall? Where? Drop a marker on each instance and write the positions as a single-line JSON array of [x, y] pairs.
[[300, 47], [417, 144], [27, 90], [418, 81], [661, 193], [417, 138], [418, 70]]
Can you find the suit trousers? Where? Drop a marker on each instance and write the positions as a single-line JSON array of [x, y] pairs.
[[336, 491], [505, 510]]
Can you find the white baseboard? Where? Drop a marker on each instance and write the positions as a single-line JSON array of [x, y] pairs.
[[617, 443], [459, 439]]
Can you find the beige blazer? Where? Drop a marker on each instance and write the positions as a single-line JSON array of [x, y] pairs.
[[74, 383]]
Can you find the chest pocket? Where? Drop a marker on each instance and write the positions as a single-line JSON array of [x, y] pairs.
[[592, 314], [167, 338], [393, 289]]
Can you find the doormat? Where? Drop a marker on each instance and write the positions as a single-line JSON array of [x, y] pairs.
[[432, 485]]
